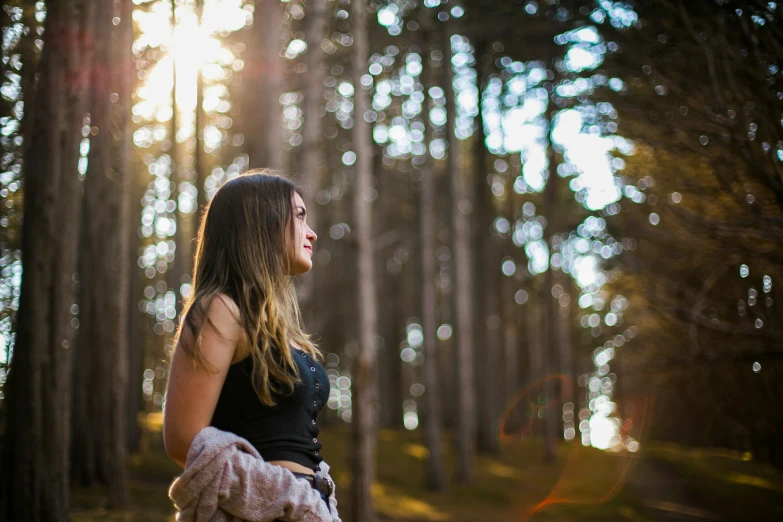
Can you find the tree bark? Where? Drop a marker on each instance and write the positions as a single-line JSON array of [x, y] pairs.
[[565, 347], [99, 437], [551, 307], [435, 470], [200, 178], [390, 384], [364, 421], [511, 348], [535, 345], [200, 171], [312, 148], [98, 307], [136, 318], [180, 239], [27, 52], [436, 473], [118, 460], [535, 352], [266, 147], [398, 291], [34, 472], [87, 467], [463, 294], [486, 276]]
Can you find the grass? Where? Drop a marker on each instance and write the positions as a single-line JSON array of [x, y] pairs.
[[731, 482], [151, 474], [582, 484]]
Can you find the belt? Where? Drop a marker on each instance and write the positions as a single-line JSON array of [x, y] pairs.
[[319, 484]]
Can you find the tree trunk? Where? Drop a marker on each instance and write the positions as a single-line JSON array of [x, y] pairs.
[[551, 307], [565, 352], [312, 138], [397, 296], [535, 344], [85, 463], [98, 307], [99, 390], [551, 407], [118, 460], [34, 473], [390, 379], [486, 276], [435, 471], [27, 52], [266, 147], [200, 178], [364, 422], [200, 171], [136, 318], [180, 239], [511, 349], [463, 294]]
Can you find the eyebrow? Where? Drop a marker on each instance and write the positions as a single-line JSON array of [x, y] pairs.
[[300, 207]]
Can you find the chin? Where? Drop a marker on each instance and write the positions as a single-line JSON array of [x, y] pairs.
[[303, 266]]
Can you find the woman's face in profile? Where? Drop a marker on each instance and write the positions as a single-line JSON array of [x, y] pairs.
[[303, 239]]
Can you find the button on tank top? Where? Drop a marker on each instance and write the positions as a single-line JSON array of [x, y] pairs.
[[286, 431]]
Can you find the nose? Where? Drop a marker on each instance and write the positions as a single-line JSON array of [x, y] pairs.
[[311, 235]]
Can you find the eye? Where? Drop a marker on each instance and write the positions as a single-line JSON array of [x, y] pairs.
[[300, 215]]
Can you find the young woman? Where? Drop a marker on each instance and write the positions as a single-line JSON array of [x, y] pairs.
[[242, 363]]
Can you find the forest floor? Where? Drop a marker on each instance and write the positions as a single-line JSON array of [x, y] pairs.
[[659, 483]]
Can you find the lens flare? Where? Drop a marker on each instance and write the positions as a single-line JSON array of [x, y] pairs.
[[574, 483], [535, 406]]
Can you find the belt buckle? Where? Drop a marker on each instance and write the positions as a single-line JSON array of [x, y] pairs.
[[318, 481]]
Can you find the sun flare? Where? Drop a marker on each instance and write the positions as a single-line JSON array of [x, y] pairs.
[[191, 47]]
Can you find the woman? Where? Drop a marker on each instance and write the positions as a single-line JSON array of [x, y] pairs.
[[241, 362]]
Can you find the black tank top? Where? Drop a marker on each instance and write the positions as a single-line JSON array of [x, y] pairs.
[[286, 431]]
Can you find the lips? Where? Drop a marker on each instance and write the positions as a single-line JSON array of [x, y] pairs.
[[309, 248]]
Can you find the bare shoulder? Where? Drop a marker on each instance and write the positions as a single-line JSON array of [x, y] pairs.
[[224, 305], [223, 314]]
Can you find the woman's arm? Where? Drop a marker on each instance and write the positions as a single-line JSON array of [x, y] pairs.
[[193, 391]]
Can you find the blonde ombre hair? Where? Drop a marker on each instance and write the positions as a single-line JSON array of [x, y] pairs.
[[243, 250]]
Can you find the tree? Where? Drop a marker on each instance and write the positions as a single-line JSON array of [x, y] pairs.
[[35, 444], [268, 79], [313, 161], [184, 250], [463, 294], [486, 276], [701, 101], [118, 463], [99, 448], [101, 346], [200, 170], [551, 306], [364, 423], [534, 36], [435, 470]]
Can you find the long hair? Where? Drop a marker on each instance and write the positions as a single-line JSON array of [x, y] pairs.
[[243, 251]]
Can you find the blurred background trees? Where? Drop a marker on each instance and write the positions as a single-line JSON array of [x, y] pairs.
[[706, 127], [534, 217]]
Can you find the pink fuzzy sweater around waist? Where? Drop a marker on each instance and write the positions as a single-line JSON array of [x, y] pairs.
[[225, 479]]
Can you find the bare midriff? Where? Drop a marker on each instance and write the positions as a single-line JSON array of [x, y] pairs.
[[292, 466]]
